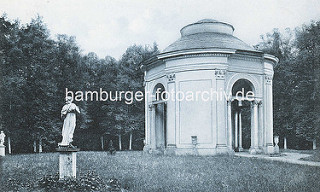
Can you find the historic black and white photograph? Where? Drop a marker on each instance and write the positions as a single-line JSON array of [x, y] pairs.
[[160, 95]]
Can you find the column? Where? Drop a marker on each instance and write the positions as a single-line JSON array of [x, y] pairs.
[[236, 130], [153, 126], [240, 131], [255, 124], [229, 124], [254, 129], [260, 127], [269, 114], [164, 133], [147, 140], [221, 113], [251, 127]]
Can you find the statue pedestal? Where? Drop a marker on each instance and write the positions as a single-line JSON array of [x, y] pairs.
[[67, 162], [2, 150]]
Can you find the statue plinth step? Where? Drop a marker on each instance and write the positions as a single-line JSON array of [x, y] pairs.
[[67, 149]]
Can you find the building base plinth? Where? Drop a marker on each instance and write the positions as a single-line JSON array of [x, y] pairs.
[[223, 149], [193, 151], [170, 150], [254, 151]]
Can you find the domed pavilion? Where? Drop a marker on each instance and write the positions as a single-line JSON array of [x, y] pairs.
[[209, 93]]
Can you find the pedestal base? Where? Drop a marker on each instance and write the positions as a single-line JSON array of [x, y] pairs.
[[2, 150], [269, 149], [276, 149], [147, 149], [67, 162]]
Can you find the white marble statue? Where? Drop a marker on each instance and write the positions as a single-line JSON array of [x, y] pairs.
[[2, 136], [68, 113]]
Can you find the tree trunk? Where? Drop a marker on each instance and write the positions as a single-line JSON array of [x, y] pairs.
[[9, 145], [130, 141], [314, 144], [34, 146], [102, 142], [284, 143], [120, 148], [40, 146]]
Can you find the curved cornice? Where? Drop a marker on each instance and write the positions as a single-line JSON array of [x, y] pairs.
[[271, 57], [195, 52], [234, 54]]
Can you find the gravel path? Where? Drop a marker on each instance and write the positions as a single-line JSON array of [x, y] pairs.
[[288, 157]]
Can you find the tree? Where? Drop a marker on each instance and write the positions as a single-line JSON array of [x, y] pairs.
[[130, 117], [27, 60], [307, 90], [281, 46], [10, 76], [35, 72], [296, 81]]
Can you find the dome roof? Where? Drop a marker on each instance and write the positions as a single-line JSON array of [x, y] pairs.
[[207, 33], [207, 20]]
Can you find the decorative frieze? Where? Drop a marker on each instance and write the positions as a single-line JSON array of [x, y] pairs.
[[247, 58], [220, 73], [190, 55], [171, 77], [151, 106], [255, 102], [229, 101], [268, 79]]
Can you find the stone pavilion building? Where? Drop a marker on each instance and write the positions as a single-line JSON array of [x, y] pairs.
[[217, 68]]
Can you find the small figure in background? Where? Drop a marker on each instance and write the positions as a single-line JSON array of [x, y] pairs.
[[112, 150], [68, 113]]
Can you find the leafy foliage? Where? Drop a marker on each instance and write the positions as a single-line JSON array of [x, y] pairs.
[[88, 182], [296, 87], [35, 72]]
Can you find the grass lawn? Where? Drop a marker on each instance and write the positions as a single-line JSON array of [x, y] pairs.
[[315, 156], [140, 172]]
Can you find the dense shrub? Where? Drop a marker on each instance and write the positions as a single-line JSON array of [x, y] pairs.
[[87, 182]]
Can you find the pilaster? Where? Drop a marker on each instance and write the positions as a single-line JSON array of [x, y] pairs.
[[221, 112], [171, 112], [269, 114]]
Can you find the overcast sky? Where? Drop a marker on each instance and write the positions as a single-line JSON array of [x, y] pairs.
[[108, 27]]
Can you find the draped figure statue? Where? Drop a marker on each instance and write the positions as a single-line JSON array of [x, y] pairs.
[[68, 113]]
